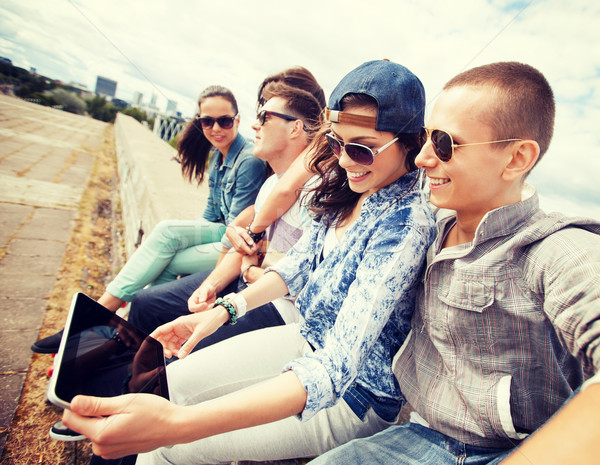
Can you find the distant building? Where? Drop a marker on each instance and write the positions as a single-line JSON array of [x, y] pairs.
[[153, 102], [171, 107], [105, 86], [137, 98]]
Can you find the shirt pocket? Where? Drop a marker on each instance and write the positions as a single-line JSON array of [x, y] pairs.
[[472, 295]]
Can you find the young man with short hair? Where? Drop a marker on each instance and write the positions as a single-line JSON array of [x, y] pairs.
[[507, 322]]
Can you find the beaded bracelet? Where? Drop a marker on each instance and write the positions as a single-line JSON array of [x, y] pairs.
[[230, 308]]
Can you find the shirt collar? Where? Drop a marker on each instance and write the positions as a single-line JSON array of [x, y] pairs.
[[393, 192], [499, 222]]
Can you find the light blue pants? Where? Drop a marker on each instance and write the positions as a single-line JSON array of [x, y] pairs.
[[411, 444], [174, 248]]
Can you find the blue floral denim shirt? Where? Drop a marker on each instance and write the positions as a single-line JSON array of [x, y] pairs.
[[233, 184], [356, 303]]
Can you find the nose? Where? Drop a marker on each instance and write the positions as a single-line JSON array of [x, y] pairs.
[[212, 128], [426, 157], [344, 160], [256, 126]]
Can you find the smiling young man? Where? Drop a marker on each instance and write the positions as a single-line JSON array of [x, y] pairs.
[[507, 322]]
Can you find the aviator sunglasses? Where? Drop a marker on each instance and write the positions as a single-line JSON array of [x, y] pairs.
[[443, 144], [225, 122], [358, 153]]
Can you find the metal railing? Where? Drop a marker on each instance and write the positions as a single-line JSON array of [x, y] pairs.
[[167, 128]]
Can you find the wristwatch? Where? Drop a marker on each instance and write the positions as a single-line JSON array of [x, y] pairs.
[[256, 237], [239, 302]]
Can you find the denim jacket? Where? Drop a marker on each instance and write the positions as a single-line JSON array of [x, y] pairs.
[[355, 304], [234, 183], [505, 326]]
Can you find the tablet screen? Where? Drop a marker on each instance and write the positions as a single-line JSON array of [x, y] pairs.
[[104, 355]]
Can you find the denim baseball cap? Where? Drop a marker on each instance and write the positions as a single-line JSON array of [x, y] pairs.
[[400, 96]]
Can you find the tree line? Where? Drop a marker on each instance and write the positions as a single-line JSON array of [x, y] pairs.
[[50, 92]]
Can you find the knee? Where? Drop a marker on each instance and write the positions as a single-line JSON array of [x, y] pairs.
[[163, 230], [139, 301]]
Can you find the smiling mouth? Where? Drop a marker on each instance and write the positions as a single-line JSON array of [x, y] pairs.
[[438, 181], [353, 176]]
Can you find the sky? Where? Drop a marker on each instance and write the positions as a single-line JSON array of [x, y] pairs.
[[174, 49]]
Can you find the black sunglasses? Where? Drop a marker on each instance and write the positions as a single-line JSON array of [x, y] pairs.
[[443, 144], [358, 153], [225, 122], [262, 116]]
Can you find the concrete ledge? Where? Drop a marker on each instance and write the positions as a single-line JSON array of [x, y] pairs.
[[152, 187]]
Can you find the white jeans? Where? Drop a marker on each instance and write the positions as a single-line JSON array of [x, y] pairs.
[[242, 361]]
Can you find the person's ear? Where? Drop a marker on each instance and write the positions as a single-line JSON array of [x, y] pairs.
[[524, 154], [297, 129], [236, 122]]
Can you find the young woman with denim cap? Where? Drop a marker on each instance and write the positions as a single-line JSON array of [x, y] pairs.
[[328, 379]]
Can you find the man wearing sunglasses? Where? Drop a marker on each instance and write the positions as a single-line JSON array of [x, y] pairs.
[[507, 320], [284, 128]]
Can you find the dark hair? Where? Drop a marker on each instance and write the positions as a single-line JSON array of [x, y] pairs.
[[332, 200], [193, 147], [299, 103], [297, 76], [524, 105]]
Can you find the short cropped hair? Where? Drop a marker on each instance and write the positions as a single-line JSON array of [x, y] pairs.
[[524, 107], [299, 103]]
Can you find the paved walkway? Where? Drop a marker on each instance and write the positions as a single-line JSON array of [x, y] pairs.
[[45, 162]]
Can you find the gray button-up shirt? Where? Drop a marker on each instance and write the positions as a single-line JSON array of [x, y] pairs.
[[505, 326]]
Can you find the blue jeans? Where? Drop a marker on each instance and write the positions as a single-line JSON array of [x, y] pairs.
[[173, 248], [411, 444], [158, 305]]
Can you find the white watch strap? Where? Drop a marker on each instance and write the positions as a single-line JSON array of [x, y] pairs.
[[239, 302]]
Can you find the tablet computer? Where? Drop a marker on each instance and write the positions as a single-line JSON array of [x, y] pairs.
[[103, 355]]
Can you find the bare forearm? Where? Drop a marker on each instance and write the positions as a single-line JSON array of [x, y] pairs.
[[226, 271], [569, 437], [134, 423], [268, 288], [266, 402], [244, 218]]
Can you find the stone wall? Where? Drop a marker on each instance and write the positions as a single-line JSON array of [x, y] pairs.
[[152, 187]]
